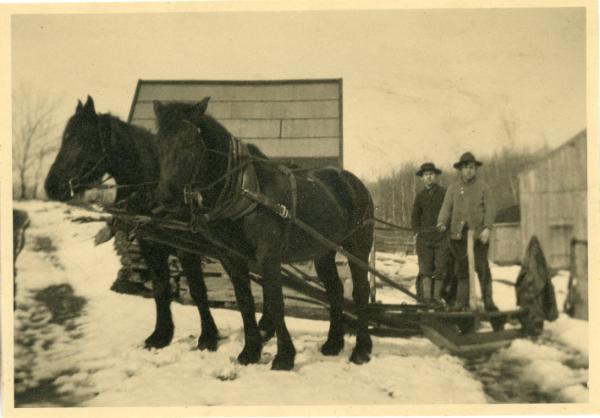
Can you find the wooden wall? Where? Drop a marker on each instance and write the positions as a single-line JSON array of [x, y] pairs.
[[298, 121], [505, 243], [553, 198]]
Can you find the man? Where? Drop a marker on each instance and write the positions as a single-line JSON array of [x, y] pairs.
[[432, 244], [469, 205]]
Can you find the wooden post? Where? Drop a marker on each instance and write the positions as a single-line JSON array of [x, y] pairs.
[[372, 278], [474, 291]]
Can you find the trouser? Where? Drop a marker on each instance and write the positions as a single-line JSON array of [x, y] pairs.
[[458, 249], [432, 254]]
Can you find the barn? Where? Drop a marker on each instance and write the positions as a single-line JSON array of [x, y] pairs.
[[553, 201], [292, 121]]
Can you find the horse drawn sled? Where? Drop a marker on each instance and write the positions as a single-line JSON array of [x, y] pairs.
[[464, 333], [223, 198]]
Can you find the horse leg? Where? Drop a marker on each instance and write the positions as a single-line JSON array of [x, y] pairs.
[[327, 272], [360, 294], [192, 269], [265, 324], [269, 260], [239, 274], [157, 260]]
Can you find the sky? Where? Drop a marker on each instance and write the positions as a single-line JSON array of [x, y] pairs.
[[417, 84]]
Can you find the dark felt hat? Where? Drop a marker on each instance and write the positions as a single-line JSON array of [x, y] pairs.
[[466, 158], [428, 167]]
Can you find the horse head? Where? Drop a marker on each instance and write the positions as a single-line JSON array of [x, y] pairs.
[[81, 160], [184, 154]]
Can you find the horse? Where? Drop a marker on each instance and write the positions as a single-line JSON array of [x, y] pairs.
[[95, 144], [196, 154], [21, 222]]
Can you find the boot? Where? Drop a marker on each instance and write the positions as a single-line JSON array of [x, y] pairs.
[[437, 293], [426, 283], [462, 294]]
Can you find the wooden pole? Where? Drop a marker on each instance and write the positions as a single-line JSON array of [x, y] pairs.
[[372, 278], [474, 291]]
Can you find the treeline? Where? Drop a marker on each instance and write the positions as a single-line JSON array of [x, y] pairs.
[[394, 194]]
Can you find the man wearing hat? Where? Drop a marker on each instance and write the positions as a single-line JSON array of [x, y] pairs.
[[432, 244], [469, 205]]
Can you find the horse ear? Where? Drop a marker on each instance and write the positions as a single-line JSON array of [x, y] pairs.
[[158, 108], [202, 105], [89, 106], [79, 106]]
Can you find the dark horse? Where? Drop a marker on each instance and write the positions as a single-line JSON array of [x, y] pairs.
[[95, 144], [195, 151]]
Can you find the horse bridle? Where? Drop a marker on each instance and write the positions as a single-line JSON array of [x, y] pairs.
[[75, 181], [192, 192]]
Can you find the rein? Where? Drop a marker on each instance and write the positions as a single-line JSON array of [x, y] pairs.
[[75, 181], [192, 192]]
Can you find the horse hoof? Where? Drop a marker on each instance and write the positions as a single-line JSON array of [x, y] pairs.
[[332, 347], [283, 362], [158, 340], [209, 343], [360, 357], [249, 355]]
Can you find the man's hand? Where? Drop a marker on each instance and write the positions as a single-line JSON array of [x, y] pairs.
[[441, 226], [485, 236]]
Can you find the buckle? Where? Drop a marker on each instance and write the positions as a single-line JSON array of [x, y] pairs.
[[191, 196], [282, 211]]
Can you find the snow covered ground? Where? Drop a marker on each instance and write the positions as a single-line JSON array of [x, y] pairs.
[[79, 344]]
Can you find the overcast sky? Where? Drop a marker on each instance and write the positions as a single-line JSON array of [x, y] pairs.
[[418, 85]]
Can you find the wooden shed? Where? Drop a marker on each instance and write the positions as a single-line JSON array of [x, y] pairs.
[[553, 200], [296, 121]]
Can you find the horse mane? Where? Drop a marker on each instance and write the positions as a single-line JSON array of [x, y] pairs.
[[214, 131], [133, 138], [256, 152], [135, 148]]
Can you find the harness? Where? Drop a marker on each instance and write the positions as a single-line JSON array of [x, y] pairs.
[[241, 193], [231, 202]]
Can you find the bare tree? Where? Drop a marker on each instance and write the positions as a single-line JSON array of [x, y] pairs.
[[34, 138]]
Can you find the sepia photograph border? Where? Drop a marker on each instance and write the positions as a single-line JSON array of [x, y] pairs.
[[593, 173]]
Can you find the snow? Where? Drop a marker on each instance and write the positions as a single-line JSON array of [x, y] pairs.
[[97, 359]]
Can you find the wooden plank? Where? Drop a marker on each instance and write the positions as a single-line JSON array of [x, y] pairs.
[[310, 162], [253, 128], [294, 128], [297, 147], [469, 344], [238, 127], [257, 109], [283, 92]]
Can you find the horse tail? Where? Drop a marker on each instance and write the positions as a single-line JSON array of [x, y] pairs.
[[363, 208]]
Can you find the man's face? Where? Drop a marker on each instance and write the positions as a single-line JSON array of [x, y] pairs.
[[429, 178], [468, 171]]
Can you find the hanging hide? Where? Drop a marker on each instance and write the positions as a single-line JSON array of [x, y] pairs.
[[534, 289]]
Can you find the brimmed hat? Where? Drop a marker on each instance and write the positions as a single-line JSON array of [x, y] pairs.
[[466, 158], [428, 167]]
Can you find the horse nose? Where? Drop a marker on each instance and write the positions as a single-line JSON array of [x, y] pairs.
[[53, 188]]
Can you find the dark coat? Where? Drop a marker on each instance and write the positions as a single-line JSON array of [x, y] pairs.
[[425, 212]]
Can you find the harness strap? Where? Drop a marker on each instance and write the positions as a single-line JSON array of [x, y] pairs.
[[293, 203]]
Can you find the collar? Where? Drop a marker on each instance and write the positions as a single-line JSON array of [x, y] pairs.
[[472, 181]]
